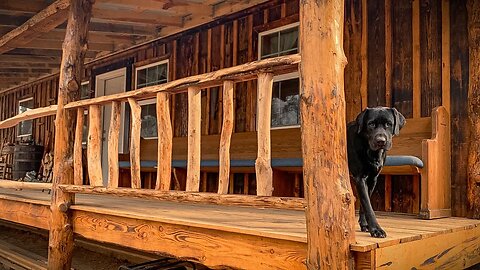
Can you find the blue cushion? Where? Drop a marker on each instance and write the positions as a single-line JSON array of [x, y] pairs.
[[276, 162], [403, 160]]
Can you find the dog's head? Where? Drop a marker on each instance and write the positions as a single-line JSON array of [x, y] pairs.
[[378, 125]]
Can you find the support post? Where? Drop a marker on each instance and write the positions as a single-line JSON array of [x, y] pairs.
[[322, 103], [77, 150], [60, 247], [473, 9], [135, 143], [94, 146], [226, 137], [113, 135]]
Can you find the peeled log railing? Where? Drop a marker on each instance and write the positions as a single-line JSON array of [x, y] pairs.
[[263, 70]]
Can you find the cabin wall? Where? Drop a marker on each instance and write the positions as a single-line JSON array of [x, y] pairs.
[[380, 47]]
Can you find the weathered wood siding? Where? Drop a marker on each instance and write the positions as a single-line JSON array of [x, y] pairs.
[[386, 71]]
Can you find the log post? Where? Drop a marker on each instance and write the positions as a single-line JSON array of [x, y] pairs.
[[322, 104], [113, 134], [226, 137], [135, 142], [263, 166], [473, 9], [60, 245], [77, 150], [165, 137], [94, 146], [194, 137]]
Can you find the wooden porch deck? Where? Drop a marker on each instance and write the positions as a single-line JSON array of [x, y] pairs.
[[248, 238]]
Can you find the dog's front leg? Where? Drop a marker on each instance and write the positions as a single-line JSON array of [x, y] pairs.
[[363, 192]]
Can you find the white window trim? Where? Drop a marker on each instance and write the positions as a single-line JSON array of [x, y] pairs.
[[20, 101], [268, 32], [152, 100]]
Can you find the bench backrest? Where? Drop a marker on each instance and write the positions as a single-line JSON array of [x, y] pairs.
[[286, 143]]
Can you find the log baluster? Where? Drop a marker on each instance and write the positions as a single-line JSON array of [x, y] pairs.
[[113, 134], [135, 142], [226, 137], [165, 137], [77, 150], [263, 165], [94, 146], [194, 138]]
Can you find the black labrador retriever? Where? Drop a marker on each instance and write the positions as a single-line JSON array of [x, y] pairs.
[[368, 140]]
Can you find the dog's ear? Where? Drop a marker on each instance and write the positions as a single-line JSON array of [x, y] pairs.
[[360, 120], [399, 121]]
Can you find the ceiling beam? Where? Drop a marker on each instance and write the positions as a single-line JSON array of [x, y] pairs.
[[42, 22]]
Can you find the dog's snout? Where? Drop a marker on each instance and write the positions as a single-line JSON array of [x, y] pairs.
[[381, 140]]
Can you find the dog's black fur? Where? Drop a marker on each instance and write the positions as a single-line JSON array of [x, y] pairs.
[[368, 140]]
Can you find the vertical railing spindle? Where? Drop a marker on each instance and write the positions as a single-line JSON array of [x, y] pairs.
[[94, 146], [77, 150], [194, 138], [226, 136], [113, 134], [263, 165], [164, 124], [135, 142]]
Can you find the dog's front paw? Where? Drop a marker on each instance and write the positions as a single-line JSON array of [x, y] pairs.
[[377, 232], [364, 228]]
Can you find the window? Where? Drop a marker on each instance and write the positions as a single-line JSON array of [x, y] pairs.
[[285, 93], [25, 127], [153, 74]]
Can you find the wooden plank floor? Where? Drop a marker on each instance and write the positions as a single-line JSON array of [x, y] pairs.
[[274, 223]]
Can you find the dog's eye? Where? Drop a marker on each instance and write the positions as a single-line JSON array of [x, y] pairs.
[[387, 124], [371, 124]]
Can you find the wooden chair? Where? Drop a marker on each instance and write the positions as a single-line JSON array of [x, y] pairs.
[[6, 160]]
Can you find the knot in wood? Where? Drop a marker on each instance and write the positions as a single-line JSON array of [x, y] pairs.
[[63, 207], [72, 85]]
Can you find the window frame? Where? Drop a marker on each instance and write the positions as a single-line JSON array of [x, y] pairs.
[[283, 77], [274, 30], [152, 100], [18, 112]]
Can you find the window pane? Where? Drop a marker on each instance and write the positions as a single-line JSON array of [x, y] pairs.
[[289, 41], [25, 127], [149, 121], [269, 45], [285, 103], [85, 129], [152, 76], [85, 91]]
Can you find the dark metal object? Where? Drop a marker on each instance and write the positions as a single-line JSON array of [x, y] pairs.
[[26, 158], [161, 264]]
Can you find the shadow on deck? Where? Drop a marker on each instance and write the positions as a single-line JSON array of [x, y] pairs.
[[248, 238]]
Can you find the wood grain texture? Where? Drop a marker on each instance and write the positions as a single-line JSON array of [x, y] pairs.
[[164, 147], [263, 166], [458, 250], [24, 185], [216, 249], [322, 106], [446, 94], [78, 149], [94, 146], [113, 134], [136, 112], [194, 138], [226, 137], [473, 8], [60, 246], [178, 196], [28, 115], [417, 92]]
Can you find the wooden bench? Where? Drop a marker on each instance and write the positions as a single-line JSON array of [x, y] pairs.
[[427, 139], [422, 149]]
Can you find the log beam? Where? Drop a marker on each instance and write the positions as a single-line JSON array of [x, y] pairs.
[[94, 146], [226, 137], [113, 135], [165, 142], [60, 247], [77, 150], [322, 104], [263, 166], [473, 9]]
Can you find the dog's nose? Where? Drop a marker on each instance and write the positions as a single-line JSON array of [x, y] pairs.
[[381, 141]]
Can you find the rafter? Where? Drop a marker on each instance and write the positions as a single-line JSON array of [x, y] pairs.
[[42, 22]]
